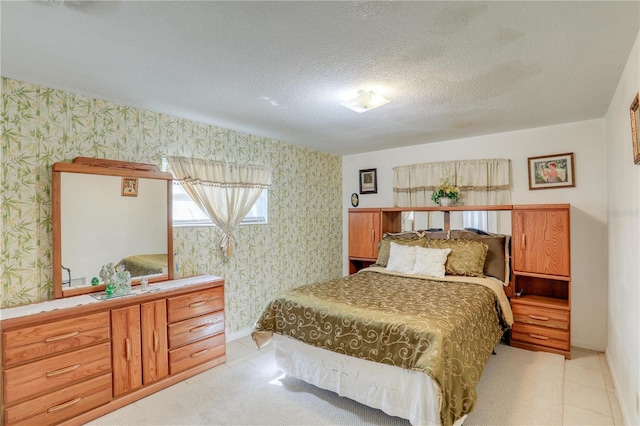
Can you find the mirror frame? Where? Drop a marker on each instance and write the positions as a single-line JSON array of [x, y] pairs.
[[95, 166]]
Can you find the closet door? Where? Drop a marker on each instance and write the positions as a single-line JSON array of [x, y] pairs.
[[541, 241], [364, 233], [155, 352], [127, 360]]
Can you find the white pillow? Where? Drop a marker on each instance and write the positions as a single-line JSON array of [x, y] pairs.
[[430, 262], [401, 258]]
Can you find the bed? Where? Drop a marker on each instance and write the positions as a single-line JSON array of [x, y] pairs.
[[398, 336]]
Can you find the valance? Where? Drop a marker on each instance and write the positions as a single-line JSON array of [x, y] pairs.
[[224, 191], [482, 182]]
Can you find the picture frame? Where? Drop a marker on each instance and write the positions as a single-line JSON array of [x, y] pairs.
[[635, 128], [552, 171], [369, 181], [129, 187]]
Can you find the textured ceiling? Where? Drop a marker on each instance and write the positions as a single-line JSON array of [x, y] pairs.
[[280, 69]]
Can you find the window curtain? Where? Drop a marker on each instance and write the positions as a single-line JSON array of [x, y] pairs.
[[481, 182], [224, 191]]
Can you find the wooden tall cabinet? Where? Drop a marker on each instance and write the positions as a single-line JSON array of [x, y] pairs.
[[542, 278], [69, 361], [364, 235]]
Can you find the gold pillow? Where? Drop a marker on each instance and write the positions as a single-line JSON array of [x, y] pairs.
[[466, 258], [407, 239], [497, 262]]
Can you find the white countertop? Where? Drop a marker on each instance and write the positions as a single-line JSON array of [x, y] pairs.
[[85, 299]]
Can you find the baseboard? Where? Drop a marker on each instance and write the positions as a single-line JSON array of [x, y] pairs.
[[625, 414], [238, 334]]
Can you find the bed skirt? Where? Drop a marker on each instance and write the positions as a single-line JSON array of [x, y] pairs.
[[407, 394]]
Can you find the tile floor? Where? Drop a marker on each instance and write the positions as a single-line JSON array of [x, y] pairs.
[[589, 395]]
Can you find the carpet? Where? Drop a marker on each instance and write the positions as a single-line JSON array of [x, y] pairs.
[[518, 387]]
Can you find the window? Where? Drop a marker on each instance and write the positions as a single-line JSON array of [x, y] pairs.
[[475, 219], [187, 213]]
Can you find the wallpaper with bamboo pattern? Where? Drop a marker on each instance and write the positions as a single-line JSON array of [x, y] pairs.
[[301, 244]]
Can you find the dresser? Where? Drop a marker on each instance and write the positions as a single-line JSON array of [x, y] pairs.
[[72, 360]]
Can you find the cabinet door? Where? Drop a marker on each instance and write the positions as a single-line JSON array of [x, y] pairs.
[[125, 341], [541, 241], [364, 234], [155, 355]]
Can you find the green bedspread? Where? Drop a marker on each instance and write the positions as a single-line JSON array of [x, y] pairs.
[[144, 264], [447, 330]]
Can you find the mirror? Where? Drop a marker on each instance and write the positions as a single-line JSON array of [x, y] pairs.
[[495, 221], [107, 211]]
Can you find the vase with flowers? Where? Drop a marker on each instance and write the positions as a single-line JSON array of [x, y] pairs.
[[446, 193]]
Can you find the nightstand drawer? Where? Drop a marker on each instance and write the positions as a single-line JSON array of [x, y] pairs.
[[542, 336], [194, 304], [50, 338], [197, 328], [196, 353], [63, 404], [50, 373], [553, 318]]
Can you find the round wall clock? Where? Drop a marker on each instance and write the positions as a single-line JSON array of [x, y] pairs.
[[355, 200]]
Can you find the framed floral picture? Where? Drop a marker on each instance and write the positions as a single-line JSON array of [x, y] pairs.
[[635, 128], [368, 181], [129, 187], [552, 171]]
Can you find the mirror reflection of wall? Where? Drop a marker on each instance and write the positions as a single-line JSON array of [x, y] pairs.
[[99, 225]]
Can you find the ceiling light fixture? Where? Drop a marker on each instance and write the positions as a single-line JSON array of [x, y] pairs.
[[365, 101]]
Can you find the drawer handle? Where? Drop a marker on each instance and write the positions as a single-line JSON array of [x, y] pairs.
[[524, 241], [199, 328], [538, 336], [63, 370], [61, 337], [197, 304], [64, 405], [539, 318], [127, 344], [199, 353], [155, 341]]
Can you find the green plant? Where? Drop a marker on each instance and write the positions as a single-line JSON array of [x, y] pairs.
[[446, 189]]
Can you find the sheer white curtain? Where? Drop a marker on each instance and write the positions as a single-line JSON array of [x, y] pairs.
[[481, 182], [224, 191]]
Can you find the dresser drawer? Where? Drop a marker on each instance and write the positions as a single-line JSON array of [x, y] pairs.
[[62, 404], [542, 336], [553, 318], [51, 338], [196, 353], [197, 328], [47, 374], [194, 304]]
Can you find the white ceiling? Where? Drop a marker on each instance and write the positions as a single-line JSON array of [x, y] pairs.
[[280, 69]]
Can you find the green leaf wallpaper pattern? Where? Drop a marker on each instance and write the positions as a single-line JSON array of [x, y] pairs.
[[301, 244]]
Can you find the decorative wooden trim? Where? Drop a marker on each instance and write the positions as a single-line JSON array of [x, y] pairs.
[[635, 128], [448, 208], [541, 206]]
